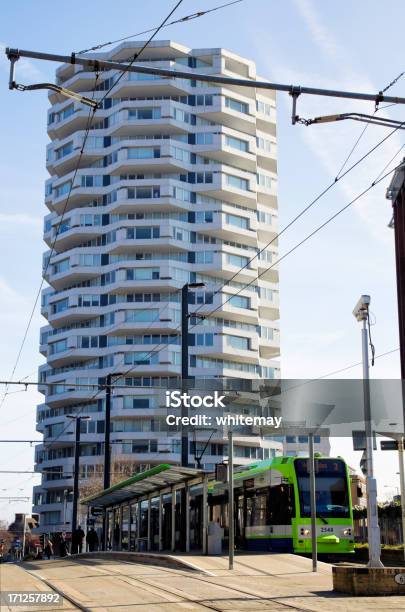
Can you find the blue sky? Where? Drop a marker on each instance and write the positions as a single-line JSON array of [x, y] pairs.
[[309, 42]]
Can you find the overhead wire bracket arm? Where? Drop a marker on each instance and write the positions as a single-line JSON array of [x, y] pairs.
[[384, 121], [13, 55]]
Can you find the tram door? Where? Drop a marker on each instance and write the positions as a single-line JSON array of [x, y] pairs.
[[196, 522], [240, 520], [167, 521]]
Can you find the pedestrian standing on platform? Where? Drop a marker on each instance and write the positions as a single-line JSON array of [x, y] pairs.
[[48, 550], [92, 539]]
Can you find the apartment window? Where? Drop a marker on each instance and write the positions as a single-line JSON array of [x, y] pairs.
[[238, 342], [237, 143], [61, 266], [88, 220], [236, 260], [143, 274], [142, 316], [204, 257], [144, 113], [201, 339], [143, 193], [89, 260], [203, 177], [202, 100], [183, 194], [241, 222], [88, 300], [237, 182], [237, 105], [137, 403], [264, 181], [88, 341], [62, 189], [92, 180], [143, 233], [63, 151], [60, 306], [143, 153], [263, 144], [52, 517], [263, 107], [204, 216], [264, 217], [239, 301], [58, 347], [204, 138], [141, 358]]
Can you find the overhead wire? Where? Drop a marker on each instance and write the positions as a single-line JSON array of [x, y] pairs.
[[377, 108], [135, 57], [138, 53], [303, 241], [190, 17], [303, 211], [90, 118]]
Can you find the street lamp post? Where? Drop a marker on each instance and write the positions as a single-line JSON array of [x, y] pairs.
[[361, 312], [78, 420]]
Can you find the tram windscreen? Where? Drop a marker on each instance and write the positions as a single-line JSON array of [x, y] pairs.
[[331, 488]]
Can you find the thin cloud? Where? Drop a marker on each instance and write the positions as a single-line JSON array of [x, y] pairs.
[[20, 219]]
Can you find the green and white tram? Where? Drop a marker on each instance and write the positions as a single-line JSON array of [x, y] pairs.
[[272, 506]]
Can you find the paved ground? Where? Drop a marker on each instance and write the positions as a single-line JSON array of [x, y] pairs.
[[278, 583]]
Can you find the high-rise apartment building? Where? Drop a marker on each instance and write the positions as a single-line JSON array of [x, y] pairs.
[[177, 183]]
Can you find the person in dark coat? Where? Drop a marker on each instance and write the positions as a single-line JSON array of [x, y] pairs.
[[77, 540], [92, 539], [63, 546]]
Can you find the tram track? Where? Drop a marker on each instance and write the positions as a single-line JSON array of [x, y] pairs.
[[57, 590], [163, 591]]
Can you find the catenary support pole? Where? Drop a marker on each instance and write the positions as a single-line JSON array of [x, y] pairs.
[[107, 425], [373, 529], [107, 449], [231, 500], [312, 489]]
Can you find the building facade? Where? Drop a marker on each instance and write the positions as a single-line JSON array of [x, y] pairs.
[[177, 183]]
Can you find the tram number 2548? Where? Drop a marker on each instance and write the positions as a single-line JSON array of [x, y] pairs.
[[326, 529]]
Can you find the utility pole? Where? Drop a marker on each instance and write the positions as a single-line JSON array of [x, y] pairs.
[[107, 425], [231, 500], [184, 366], [78, 420], [361, 312], [312, 488]]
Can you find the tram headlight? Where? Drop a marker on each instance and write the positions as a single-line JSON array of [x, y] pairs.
[[305, 531], [347, 532]]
